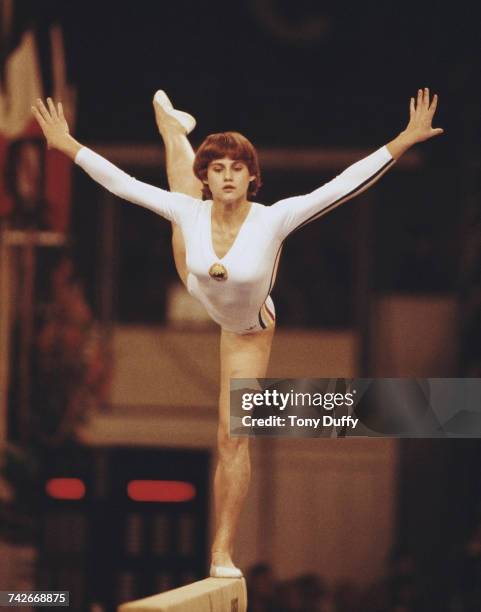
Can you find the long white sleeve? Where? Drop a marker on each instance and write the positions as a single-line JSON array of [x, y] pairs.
[[292, 213], [172, 206]]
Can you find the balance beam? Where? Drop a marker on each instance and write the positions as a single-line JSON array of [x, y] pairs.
[[209, 595]]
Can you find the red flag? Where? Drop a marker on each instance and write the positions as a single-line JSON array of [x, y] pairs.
[[35, 184]]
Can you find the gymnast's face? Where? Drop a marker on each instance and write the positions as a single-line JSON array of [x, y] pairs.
[[228, 180]]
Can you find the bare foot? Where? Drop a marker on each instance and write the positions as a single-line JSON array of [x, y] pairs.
[[167, 117]]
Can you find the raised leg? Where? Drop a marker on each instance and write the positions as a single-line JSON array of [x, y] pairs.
[[242, 356], [173, 126]]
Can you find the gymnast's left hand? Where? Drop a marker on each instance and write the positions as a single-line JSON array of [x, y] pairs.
[[421, 113]]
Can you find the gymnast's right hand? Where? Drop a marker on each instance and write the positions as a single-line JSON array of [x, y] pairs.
[[55, 127]]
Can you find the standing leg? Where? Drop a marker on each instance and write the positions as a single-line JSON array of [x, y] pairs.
[[173, 127], [242, 356]]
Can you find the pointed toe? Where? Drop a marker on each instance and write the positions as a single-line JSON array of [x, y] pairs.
[[167, 115]]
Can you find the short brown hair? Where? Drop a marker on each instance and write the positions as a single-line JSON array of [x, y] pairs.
[[227, 144]]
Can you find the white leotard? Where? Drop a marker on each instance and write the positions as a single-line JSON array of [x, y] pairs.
[[241, 303]]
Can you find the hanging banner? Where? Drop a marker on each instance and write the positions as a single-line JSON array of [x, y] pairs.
[[35, 183]]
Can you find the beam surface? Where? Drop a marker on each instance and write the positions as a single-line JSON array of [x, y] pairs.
[[209, 595]]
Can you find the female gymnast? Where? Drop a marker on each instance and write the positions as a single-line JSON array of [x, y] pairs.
[[227, 249]]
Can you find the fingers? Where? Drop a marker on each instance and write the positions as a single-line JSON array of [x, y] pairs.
[[412, 108], [50, 113], [52, 109], [38, 117], [60, 111], [42, 109], [426, 97], [434, 104], [437, 131], [423, 98], [423, 102], [419, 101]]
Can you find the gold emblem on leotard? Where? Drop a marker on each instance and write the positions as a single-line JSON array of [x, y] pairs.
[[218, 272]]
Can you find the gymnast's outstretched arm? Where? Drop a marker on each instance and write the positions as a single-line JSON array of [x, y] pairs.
[[173, 206], [293, 213]]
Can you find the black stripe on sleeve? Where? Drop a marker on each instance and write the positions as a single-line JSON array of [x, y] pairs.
[[342, 199], [334, 204]]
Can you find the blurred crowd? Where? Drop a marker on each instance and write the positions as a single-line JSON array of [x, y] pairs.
[[71, 364], [396, 592], [402, 589]]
